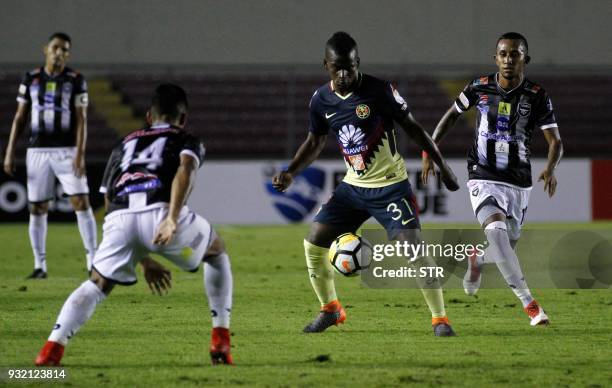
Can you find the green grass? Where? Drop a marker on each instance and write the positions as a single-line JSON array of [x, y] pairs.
[[137, 339]]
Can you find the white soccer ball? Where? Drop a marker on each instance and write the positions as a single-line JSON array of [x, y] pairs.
[[349, 254]]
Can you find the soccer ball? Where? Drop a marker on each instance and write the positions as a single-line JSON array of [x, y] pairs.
[[349, 254]]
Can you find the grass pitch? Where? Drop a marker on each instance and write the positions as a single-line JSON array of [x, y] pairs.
[[137, 339]]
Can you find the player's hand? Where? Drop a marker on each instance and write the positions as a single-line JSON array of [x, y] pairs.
[[165, 232], [9, 166], [428, 168], [282, 181], [449, 178], [550, 182], [78, 166], [158, 277]]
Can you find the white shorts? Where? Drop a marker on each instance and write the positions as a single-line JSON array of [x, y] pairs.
[[127, 238], [44, 164], [511, 200]]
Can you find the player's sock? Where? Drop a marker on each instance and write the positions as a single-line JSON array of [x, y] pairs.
[[218, 284], [506, 260], [87, 227], [321, 272], [38, 238], [431, 288], [77, 309], [435, 301]]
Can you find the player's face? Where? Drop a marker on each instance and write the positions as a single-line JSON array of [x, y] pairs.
[[510, 58], [57, 52], [342, 69]]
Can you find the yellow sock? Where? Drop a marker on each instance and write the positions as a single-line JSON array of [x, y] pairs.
[[431, 288], [321, 272], [435, 301]]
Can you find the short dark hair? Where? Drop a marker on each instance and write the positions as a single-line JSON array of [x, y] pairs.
[[169, 100], [60, 35], [514, 36], [342, 43]]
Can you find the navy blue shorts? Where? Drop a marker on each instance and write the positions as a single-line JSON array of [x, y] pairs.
[[393, 206]]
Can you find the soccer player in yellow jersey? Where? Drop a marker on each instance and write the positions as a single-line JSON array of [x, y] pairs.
[[360, 110]]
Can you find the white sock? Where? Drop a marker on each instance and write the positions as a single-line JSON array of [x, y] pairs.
[[38, 238], [218, 284], [506, 260], [87, 227], [77, 310]]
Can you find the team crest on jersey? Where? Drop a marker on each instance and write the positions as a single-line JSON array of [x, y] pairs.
[[524, 109], [362, 111]]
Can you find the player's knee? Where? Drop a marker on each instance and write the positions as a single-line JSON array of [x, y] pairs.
[[412, 236], [216, 248], [496, 217], [39, 208], [79, 202], [497, 236], [105, 285], [320, 235]]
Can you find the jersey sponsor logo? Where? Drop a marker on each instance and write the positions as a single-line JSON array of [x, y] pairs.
[[329, 116], [357, 162], [351, 138], [50, 93], [131, 177], [524, 109], [501, 136], [502, 147], [504, 109], [301, 198], [503, 116], [140, 187], [362, 111]]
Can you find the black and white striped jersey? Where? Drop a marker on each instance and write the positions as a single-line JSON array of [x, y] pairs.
[[504, 127], [52, 101], [141, 168]]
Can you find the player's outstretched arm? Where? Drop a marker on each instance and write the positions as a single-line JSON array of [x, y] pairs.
[[81, 141], [308, 152], [17, 128], [423, 140], [181, 188], [555, 152], [447, 122]]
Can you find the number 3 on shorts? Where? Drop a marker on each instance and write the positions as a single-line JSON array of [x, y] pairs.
[[394, 209]]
